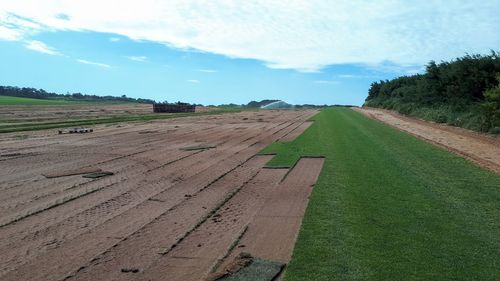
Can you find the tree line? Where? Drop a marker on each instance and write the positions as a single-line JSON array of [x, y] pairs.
[[464, 92], [42, 94]]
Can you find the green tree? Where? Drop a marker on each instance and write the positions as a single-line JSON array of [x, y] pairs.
[[492, 106]]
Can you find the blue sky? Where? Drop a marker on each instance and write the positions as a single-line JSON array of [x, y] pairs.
[[317, 52]]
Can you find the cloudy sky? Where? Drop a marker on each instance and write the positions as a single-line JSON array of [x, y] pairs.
[[212, 52]]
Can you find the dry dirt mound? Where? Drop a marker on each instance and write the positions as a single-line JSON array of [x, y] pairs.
[[484, 150]]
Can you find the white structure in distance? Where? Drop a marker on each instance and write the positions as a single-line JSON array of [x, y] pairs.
[[277, 105]]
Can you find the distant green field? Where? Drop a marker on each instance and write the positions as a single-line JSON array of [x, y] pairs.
[[8, 100], [388, 206]]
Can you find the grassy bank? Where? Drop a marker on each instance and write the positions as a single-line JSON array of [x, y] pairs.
[[388, 206], [470, 117]]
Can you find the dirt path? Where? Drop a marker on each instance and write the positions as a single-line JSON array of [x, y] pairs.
[[272, 232], [481, 149], [206, 245], [155, 205], [160, 235]]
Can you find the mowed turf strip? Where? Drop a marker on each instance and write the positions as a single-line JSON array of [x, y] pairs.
[[388, 206]]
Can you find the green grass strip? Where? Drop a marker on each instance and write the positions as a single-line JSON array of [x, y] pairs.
[[8, 100], [388, 206]]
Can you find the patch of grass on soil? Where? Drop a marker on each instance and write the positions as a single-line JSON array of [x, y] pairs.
[[388, 206], [258, 270], [13, 127]]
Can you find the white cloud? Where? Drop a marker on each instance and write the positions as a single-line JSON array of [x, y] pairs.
[[62, 17], [326, 82], [193, 81], [14, 28], [114, 39], [390, 67], [93, 63], [207, 70], [9, 34], [348, 76], [138, 58], [41, 47], [300, 34]]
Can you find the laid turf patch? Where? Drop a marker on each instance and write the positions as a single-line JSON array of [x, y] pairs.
[[258, 270], [248, 268], [388, 206]]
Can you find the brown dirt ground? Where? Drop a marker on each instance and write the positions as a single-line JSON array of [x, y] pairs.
[[297, 132], [39, 113], [481, 149], [273, 230], [164, 212], [51, 113]]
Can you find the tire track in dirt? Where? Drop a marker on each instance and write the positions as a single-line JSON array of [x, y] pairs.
[[150, 157], [70, 142], [69, 153], [158, 154], [64, 197], [130, 145], [140, 172], [195, 255], [140, 211], [143, 247], [252, 146], [272, 233], [280, 129], [185, 166]]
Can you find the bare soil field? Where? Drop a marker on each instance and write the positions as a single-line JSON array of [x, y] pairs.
[[38, 113], [185, 196], [484, 150], [22, 114]]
